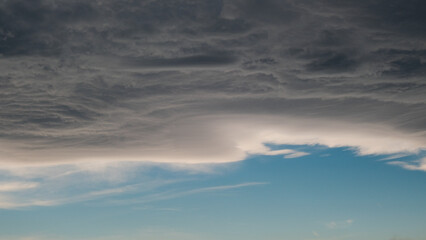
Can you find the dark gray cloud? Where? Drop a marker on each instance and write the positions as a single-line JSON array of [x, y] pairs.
[[196, 60], [400, 17], [105, 74]]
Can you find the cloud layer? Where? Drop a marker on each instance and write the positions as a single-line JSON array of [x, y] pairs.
[[208, 81]]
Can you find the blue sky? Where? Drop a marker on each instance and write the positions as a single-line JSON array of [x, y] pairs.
[[332, 193]]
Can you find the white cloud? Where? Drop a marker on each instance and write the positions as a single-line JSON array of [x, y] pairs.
[[395, 156], [296, 155], [419, 165], [288, 153], [16, 203], [78, 187], [17, 186]]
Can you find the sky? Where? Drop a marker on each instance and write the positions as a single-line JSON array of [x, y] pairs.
[[212, 119]]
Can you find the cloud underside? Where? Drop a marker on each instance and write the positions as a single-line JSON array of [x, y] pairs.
[[221, 139], [208, 81]]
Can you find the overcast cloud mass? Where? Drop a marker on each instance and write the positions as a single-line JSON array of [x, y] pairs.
[[185, 81]]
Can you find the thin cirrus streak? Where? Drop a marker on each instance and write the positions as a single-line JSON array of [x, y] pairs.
[[178, 194], [17, 203]]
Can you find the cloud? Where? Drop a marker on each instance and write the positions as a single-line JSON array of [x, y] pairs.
[[43, 186], [296, 155], [288, 153], [177, 194], [12, 203], [339, 224], [96, 94], [196, 60], [99, 190], [81, 187], [193, 82], [17, 186], [419, 165]]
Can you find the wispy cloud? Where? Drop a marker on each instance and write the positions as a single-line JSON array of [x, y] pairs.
[[17, 186], [16, 203], [419, 165], [288, 153], [395, 156], [176, 194], [21, 195], [93, 182], [296, 155], [339, 224]]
